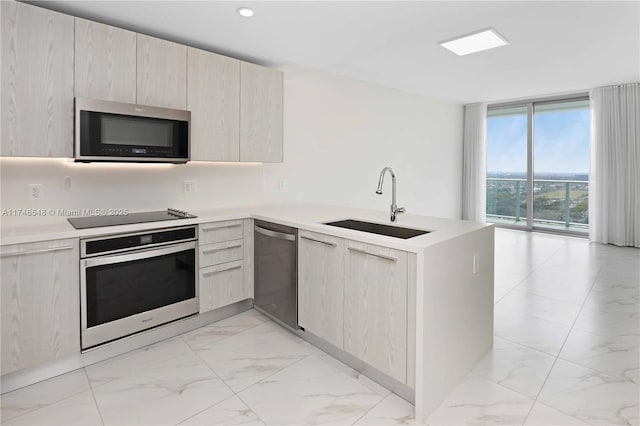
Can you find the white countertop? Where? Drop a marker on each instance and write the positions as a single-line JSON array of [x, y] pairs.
[[300, 215]]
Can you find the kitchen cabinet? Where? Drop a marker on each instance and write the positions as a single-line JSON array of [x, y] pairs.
[[375, 307], [213, 97], [105, 62], [321, 285], [161, 73], [261, 125], [221, 264], [40, 302], [37, 81]]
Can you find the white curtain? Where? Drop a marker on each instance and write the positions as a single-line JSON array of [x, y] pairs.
[[614, 179], [474, 163]]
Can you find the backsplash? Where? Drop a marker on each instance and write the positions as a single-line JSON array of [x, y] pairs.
[[136, 187]]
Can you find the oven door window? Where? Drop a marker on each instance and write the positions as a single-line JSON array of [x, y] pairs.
[[119, 290]]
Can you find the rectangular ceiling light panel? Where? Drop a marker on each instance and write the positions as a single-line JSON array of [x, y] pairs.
[[476, 42]]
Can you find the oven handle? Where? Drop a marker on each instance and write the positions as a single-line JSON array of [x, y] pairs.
[[137, 255]]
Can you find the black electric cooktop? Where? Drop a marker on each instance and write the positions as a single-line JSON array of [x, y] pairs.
[[99, 221]]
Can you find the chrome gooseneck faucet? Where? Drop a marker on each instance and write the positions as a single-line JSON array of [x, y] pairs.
[[394, 208]]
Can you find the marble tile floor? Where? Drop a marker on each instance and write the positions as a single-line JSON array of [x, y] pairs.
[[565, 353]]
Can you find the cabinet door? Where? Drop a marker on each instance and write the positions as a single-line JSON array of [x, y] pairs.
[[37, 81], [375, 307], [221, 285], [213, 97], [260, 114], [162, 73], [321, 285], [40, 302], [105, 64]]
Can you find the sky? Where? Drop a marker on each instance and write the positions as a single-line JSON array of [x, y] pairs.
[[560, 140]]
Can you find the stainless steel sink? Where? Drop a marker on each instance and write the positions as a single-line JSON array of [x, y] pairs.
[[377, 228]]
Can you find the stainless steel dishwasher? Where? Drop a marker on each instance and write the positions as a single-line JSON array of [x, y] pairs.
[[276, 271]]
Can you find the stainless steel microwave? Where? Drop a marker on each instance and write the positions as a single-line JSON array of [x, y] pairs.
[[116, 131]]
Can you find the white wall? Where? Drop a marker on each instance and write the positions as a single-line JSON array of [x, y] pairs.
[[138, 187], [339, 133]]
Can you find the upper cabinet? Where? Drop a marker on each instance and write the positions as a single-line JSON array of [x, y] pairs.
[[105, 62], [162, 73], [37, 81], [213, 97], [260, 114], [49, 57]]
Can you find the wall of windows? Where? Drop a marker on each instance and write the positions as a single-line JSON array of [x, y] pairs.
[[538, 165]]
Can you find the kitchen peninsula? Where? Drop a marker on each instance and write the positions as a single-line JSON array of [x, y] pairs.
[[445, 303]]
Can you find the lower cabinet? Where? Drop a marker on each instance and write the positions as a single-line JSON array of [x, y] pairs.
[[40, 302], [221, 285], [321, 285], [222, 278], [375, 307], [354, 296]]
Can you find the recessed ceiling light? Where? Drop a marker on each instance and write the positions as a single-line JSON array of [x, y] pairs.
[[476, 42], [245, 11]]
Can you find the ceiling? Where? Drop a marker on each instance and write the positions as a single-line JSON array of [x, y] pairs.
[[556, 46]]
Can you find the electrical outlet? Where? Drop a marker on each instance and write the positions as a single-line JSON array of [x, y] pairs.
[[67, 183], [282, 184], [35, 191], [190, 186], [476, 263]]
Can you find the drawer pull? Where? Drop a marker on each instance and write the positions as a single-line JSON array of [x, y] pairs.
[[211, 250], [318, 241], [213, 228], [366, 253], [47, 250], [206, 274]]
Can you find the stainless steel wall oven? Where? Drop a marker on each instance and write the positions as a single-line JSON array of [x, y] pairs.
[[133, 282]]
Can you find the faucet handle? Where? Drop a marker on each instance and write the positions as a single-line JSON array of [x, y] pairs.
[[401, 210]]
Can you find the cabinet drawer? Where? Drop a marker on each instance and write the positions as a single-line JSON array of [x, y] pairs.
[[221, 285], [213, 254], [216, 232]]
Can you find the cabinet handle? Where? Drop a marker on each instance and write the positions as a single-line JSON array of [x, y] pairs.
[[318, 241], [211, 250], [206, 274], [235, 225], [47, 250], [381, 256]]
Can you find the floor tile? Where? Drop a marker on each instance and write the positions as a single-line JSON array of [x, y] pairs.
[[530, 331], [231, 411], [614, 355], [78, 410], [41, 394], [392, 410], [122, 365], [364, 380], [590, 396], [250, 356], [516, 367], [167, 393], [574, 292], [619, 299], [478, 401], [210, 334], [540, 307], [309, 392], [608, 323], [543, 415]]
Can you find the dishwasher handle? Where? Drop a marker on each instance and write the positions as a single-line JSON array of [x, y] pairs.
[[274, 234]]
